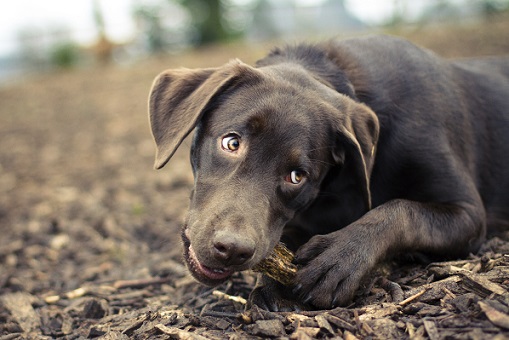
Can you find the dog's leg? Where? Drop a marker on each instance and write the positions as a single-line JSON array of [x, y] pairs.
[[272, 295], [333, 265]]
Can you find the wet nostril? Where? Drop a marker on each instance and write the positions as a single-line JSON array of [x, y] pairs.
[[221, 248], [244, 257], [231, 251], [222, 251]]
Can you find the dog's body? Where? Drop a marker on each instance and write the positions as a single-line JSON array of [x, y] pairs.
[[355, 150]]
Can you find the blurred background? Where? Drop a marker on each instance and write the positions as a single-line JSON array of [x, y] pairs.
[[44, 35], [79, 199]]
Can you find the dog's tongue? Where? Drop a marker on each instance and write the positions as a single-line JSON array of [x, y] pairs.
[[211, 273]]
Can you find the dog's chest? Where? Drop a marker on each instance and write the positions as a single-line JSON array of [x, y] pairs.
[[327, 214]]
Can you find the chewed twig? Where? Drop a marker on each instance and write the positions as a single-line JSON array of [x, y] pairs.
[[278, 265]]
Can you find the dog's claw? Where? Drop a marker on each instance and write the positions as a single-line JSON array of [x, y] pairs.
[[308, 299], [334, 303]]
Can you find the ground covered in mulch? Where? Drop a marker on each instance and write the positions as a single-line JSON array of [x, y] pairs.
[[89, 244]]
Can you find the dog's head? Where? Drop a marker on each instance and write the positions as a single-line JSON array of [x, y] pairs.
[[265, 140]]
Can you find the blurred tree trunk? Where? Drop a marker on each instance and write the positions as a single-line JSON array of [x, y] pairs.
[[103, 47], [208, 19]]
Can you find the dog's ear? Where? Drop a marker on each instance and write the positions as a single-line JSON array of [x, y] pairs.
[[358, 137], [178, 99]]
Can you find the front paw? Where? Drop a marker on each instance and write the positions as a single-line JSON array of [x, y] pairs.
[[273, 296], [332, 267]]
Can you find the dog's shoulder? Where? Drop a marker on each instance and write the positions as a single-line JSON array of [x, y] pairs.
[[386, 70], [378, 56]]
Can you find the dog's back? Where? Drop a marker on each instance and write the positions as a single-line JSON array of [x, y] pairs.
[[469, 97], [486, 82]]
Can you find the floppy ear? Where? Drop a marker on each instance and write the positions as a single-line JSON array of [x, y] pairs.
[[358, 137], [178, 99]]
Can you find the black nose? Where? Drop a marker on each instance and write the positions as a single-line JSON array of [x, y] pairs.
[[232, 249]]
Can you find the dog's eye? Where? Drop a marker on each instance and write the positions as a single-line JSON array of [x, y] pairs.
[[230, 143], [295, 177]]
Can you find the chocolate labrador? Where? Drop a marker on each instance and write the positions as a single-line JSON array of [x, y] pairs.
[[350, 151]]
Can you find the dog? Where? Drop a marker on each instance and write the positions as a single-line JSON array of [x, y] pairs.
[[350, 151]]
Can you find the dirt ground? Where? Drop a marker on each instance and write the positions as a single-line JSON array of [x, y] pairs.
[[90, 248]]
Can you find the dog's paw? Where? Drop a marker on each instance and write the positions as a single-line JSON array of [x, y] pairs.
[[332, 267], [272, 296]]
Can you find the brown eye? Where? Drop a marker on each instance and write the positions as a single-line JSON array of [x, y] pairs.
[[230, 143], [295, 177]]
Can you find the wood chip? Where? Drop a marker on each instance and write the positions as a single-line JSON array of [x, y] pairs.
[[272, 328], [349, 336], [307, 332], [20, 306], [410, 329], [300, 334], [367, 328], [178, 333], [431, 329], [340, 323], [472, 281], [481, 285], [496, 317], [376, 312], [324, 324]]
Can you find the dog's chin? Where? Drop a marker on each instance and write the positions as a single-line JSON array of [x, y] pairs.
[[204, 274]]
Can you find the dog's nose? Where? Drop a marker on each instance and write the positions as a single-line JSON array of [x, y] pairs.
[[233, 249]]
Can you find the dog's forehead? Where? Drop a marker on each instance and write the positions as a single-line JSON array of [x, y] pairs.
[[262, 108], [269, 101]]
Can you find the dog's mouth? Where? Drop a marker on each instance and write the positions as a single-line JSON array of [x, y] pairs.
[[206, 275]]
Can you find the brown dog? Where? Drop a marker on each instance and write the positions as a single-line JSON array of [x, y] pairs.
[[352, 151]]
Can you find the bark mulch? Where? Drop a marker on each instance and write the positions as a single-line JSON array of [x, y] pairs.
[[90, 234]]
